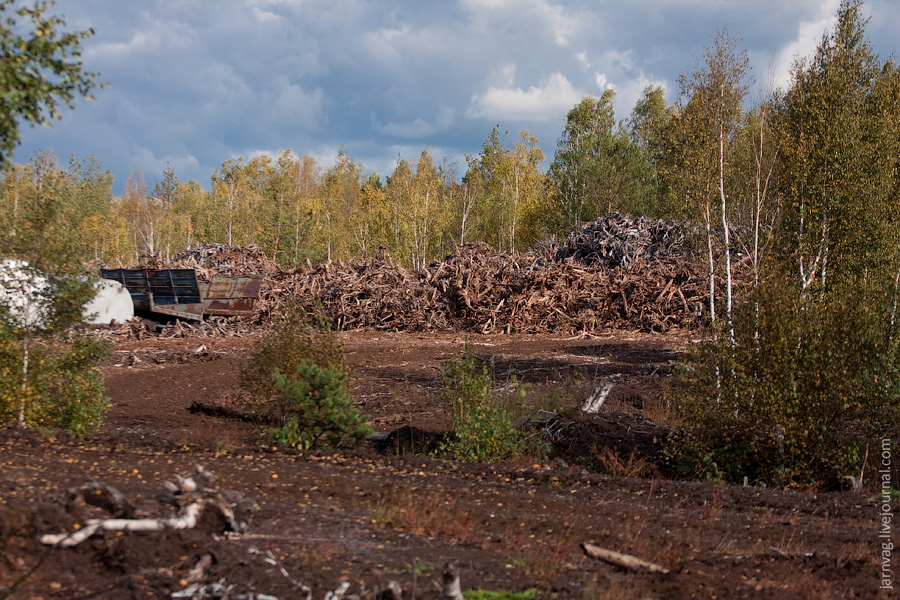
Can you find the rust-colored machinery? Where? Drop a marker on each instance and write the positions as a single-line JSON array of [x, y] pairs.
[[178, 293]]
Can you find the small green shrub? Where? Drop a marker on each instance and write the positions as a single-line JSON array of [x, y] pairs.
[[296, 384], [317, 406], [300, 336], [483, 428]]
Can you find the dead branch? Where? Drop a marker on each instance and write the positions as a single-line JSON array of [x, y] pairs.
[[190, 495], [626, 561], [593, 402]]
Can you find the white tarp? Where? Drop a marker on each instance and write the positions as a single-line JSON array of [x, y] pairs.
[[23, 292], [112, 303]]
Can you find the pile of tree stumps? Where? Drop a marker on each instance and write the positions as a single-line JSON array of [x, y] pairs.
[[619, 240], [613, 273]]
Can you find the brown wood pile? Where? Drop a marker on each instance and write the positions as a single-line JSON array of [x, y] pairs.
[[479, 290], [374, 293], [219, 259], [615, 272]]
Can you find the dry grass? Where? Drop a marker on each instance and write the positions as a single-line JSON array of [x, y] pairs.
[[423, 514], [634, 466], [546, 561], [660, 409], [712, 508]]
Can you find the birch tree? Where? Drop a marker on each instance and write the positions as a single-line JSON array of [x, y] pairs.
[[339, 198], [706, 119], [831, 148]]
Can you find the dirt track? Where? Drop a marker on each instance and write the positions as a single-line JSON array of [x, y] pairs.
[[367, 517]]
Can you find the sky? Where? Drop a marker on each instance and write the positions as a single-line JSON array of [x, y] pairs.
[[193, 83]]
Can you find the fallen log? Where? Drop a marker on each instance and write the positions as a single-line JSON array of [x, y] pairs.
[[626, 561], [186, 519]]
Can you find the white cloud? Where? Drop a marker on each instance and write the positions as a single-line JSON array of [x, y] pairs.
[[263, 15], [293, 105], [547, 101], [809, 33], [120, 51], [193, 83], [629, 92], [552, 17], [508, 72], [583, 60], [385, 44], [486, 4], [147, 162], [562, 25], [622, 59]]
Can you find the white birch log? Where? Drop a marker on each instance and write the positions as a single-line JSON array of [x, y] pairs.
[[187, 519], [596, 400], [626, 561], [452, 588]]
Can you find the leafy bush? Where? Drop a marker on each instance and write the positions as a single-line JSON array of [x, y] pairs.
[[483, 428], [300, 337], [809, 386], [61, 388], [48, 375], [317, 406], [296, 383]]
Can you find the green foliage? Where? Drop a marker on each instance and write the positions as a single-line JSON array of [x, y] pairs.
[[839, 125], [529, 594], [511, 192], [301, 337], [598, 168], [807, 388], [61, 389], [407, 216], [317, 406], [296, 382], [40, 70], [47, 363], [811, 377], [48, 375], [483, 428]]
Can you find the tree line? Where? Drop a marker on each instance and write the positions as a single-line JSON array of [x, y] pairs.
[[710, 158]]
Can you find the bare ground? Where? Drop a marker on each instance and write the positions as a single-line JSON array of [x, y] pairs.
[[384, 511]]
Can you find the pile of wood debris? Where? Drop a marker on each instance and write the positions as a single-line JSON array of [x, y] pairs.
[[615, 272], [479, 290], [219, 259], [619, 240]]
